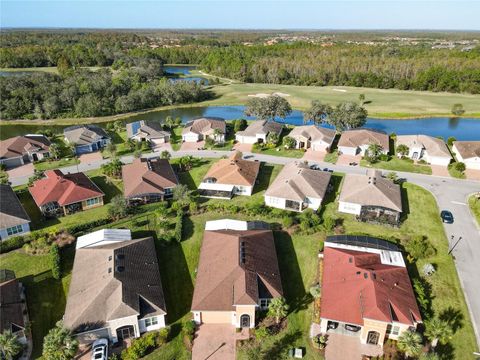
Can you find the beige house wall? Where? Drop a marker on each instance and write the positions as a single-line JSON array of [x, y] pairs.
[[118, 323], [86, 207], [216, 317], [373, 325], [245, 310]]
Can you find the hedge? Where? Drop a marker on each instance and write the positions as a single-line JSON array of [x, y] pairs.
[[55, 261], [179, 226]]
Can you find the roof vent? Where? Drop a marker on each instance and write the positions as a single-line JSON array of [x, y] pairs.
[[109, 270], [119, 257], [365, 275], [242, 252], [119, 269]]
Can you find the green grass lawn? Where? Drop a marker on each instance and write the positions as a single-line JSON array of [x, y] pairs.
[[397, 164], [48, 165], [331, 157], [474, 203], [455, 173], [279, 151], [176, 138]]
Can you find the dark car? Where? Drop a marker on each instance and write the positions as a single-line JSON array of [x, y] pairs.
[[446, 216], [315, 167], [353, 328]]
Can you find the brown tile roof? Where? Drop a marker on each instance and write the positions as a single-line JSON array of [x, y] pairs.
[[11, 312], [371, 190], [149, 129], [11, 210], [236, 267], [234, 171], [148, 176], [468, 149], [359, 137], [63, 188], [19, 145], [356, 285], [262, 127], [84, 134], [313, 133], [433, 146], [296, 181], [114, 281], [205, 126]]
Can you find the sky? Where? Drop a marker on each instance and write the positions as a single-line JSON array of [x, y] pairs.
[[243, 14]]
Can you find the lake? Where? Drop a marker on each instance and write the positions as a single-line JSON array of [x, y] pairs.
[[460, 128], [176, 70]]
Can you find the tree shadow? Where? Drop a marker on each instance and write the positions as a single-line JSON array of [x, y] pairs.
[[454, 317], [263, 178], [292, 281], [405, 204], [331, 195], [334, 143], [188, 228], [445, 351], [187, 179], [108, 189], [280, 346], [116, 139]]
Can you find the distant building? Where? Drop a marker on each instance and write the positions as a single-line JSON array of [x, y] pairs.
[[423, 147], [297, 187], [258, 131], [228, 177], [63, 194], [20, 150], [371, 197], [366, 290], [312, 137], [238, 274], [356, 141], [86, 138], [149, 131], [468, 152], [148, 180], [116, 290], [14, 221], [202, 128]]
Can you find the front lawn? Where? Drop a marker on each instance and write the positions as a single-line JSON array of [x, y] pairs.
[[454, 172], [56, 164], [331, 157], [397, 164], [176, 138], [474, 202]]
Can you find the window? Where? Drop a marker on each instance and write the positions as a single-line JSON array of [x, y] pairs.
[[168, 191], [14, 230], [151, 321], [393, 330], [94, 201], [264, 303]]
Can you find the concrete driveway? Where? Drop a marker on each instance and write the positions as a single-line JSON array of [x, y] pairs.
[[439, 170], [192, 146], [341, 347], [242, 147], [472, 174], [214, 342], [90, 157], [21, 171], [311, 155], [347, 159]]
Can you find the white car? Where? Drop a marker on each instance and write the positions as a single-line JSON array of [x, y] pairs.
[[100, 349]]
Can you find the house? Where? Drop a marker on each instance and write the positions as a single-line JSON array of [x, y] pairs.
[[14, 221], [86, 138], [116, 290], [356, 141], [228, 177], [237, 273], [61, 194], [366, 290], [19, 150], [468, 152], [371, 197], [149, 131], [423, 147], [12, 306], [258, 131], [202, 128], [148, 180], [312, 137], [297, 187]]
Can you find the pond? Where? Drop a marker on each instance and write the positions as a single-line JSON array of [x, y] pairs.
[[460, 128], [176, 70]]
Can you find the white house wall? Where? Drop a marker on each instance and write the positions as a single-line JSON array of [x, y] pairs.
[[314, 203], [246, 139], [161, 324], [118, 323], [275, 202], [349, 208], [25, 230], [190, 137], [348, 150], [472, 163], [437, 160]]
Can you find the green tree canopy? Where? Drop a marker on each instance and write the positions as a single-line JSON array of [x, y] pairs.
[[10, 347], [318, 112], [410, 343], [268, 108], [278, 309], [348, 115], [59, 344]]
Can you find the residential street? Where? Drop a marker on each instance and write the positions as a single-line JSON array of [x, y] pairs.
[[450, 193]]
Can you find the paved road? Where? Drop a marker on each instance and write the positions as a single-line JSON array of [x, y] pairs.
[[450, 194]]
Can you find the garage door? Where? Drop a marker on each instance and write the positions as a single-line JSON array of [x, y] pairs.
[[217, 317]]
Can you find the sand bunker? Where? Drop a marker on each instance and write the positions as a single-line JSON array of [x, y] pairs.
[[341, 90], [263, 95]]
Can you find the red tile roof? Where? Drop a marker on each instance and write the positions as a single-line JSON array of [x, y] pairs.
[[356, 285], [63, 188]]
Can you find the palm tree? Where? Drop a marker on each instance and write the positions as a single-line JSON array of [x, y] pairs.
[[410, 343], [438, 331], [54, 151], [373, 152], [402, 149], [59, 344], [9, 345], [186, 162], [166, 155], [429, 356], [217, 135], [278, 309]]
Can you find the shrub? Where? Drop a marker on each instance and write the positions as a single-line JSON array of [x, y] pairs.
[[55, 261], [419, 247], [451, 140], [261, 333], [83, 227], [162, 336], [13, 243], [118, 208], [319, 342], [287, 221], [140, 347], [329, 223], [316, 291], [422, 162], [459, 166], [423, 295], [384, 157], [179, 226]]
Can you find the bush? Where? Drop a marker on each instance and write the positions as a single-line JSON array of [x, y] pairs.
[[384, 157], [79, 228], [316, 291], [13, 243], [419, 247], [261, 333], [162, 336], [188, 331], [329, 223], [140, 347], [451, 140], [459, 166], [423, 295], [55, 261], [118, 208], [287, 221], [319, 342], [179, 226]]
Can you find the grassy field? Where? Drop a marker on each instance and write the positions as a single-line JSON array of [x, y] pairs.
[[474, 203], [331, 157], [396, 164]]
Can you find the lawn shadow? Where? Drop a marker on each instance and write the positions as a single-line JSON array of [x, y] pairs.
[[454, 317], [185, 178], [263, 178], [331, 195], [280, 346], [187, 228], [405, 204], [116, 138], [445, 351], [292, 281], [109, 189]]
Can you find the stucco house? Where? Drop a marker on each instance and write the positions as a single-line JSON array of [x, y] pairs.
[[116, 290], [149, 131], [366, 290], [20, 150], [423, 147], [60, 194], [228, 177], [297, 187], [371, 197], [237, 275], [258, 131], [86, 138], [356, 141], [148, 180], [199, 129], [468, 152], [312, 137], [14, 220]]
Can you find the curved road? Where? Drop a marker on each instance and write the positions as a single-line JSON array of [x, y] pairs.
[[450, 194]]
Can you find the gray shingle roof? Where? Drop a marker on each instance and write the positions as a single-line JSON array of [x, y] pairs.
[[11, 210]]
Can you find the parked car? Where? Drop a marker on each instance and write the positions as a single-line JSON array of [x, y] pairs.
[[315, 167], [100, 349], [353, 164], [446, 216], [352, 328], [332, 325]]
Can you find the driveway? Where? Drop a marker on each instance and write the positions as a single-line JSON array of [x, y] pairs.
[[311, 155], [90, 157], [472, 174], [192, 146], [439, 170], [162, 147], [347, 159], [341, 347], [214, 342], [20, 174], [242, 147]]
